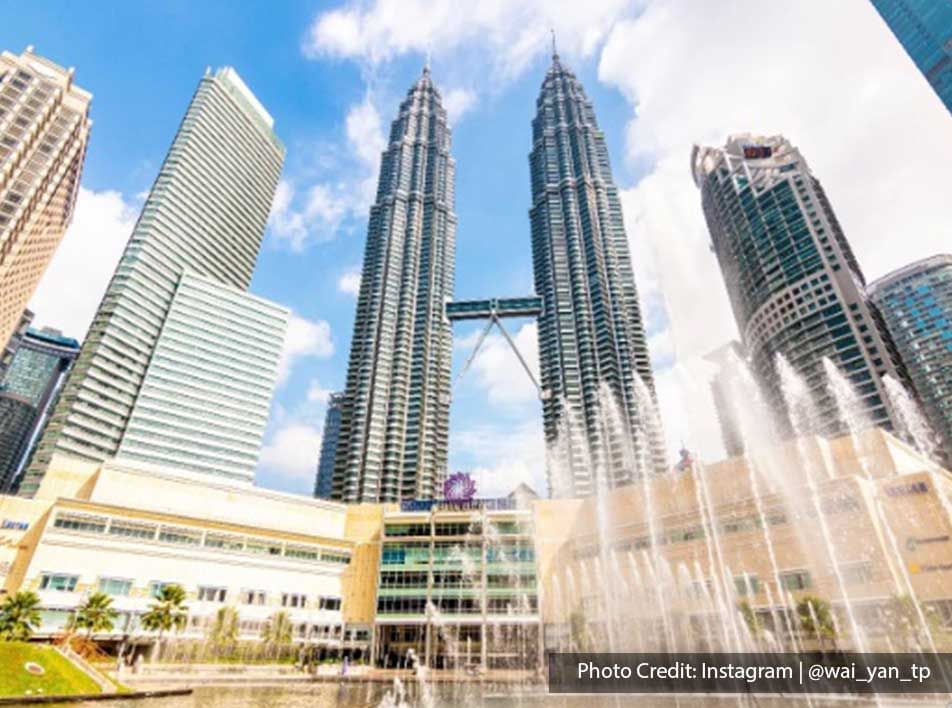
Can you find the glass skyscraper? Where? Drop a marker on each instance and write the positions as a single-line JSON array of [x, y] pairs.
[[27, 390], [924, 28], [395, 412], [916, 302], [44, 128], [592, 344], [324, 481], [206, 213], [203, 404], [794, 284]]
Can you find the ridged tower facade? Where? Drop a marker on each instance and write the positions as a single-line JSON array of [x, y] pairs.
[[395, 412], [591, 336]]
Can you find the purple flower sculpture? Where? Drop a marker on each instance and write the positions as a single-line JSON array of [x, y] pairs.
[[459, 487]]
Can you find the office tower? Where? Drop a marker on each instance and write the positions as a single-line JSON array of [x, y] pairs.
[[10, 350], [592, 344], [27, 391], [395, 412], [924, 28], [794, 284], [324, 482], [44, 126], [206, 214], [203, 403], [722, 386], [916, 303]]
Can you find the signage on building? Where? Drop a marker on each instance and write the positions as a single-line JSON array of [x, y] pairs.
[[757, 152], [14, 525], [901, 490], [502, 504], [459, 486]]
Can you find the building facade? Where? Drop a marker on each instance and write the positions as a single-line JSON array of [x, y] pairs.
[[494, 583], [27, 392], [44, 127], [916, 302], [395, 413], [206, 213], [592, 346], [324, 481], [457, 587], [10, 350], [204, 401], [924, 28], [795, 286], [128, 530]]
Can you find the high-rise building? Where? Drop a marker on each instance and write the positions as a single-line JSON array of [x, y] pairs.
[[916, 302], [203, 403], [395, 413], [324, 482], [722, 386], [924, 28], [27, 392], [44, 127], [592, 343], [206, 214], [10, 350], [794, 284]]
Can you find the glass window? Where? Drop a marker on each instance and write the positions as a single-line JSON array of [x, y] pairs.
[[293, 600], [253, 597], [58, 581], [211, 594], [115, 586]]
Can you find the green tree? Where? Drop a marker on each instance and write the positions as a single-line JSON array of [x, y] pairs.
[[278, 629], [224, 630], [19, 616], [168, 612], [95, 614], [816, 618], [750, 619]]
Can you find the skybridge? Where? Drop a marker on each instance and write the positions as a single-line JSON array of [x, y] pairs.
[[494, 311]]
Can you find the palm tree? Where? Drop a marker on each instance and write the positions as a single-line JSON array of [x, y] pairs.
[[278, 629], [816, 618], [168, 613], [224, 630], [96, 614], [19, 616]]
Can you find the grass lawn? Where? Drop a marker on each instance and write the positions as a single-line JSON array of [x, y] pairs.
[[61, 677]]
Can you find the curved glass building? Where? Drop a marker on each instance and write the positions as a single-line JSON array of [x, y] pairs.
[[916, 302], [794, 284]]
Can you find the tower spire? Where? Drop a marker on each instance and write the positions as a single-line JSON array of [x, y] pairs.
[[555, 53]]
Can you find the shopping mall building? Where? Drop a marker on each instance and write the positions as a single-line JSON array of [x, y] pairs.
[[495, 582]]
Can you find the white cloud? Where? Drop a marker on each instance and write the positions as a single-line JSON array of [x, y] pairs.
[[841, 97], [317, 393], [497, 369], [508, 34], [349, 282], [504, 456], [292, 451], [304, 338], [74, 283], [338, 187], [458, 101]]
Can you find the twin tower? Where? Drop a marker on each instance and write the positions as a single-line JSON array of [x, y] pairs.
[[597, 387]]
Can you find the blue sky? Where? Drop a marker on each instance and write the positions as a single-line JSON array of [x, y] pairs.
[[661, 75]]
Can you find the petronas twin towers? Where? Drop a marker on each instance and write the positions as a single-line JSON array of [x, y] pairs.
[[395, 412]]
